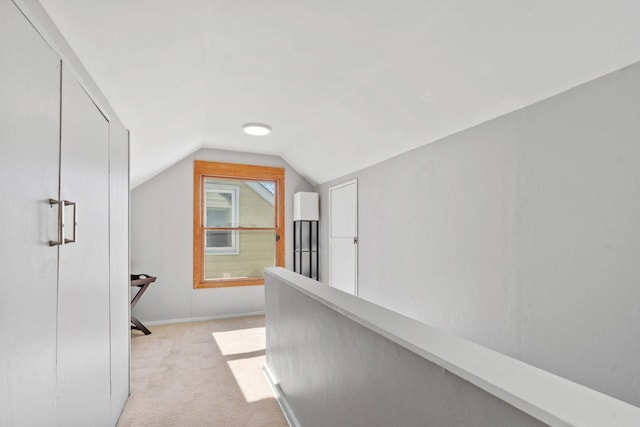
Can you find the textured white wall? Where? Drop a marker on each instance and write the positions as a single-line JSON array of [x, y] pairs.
[[162, 242], [521, 234]]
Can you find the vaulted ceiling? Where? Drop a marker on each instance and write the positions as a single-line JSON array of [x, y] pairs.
[[343, 84]]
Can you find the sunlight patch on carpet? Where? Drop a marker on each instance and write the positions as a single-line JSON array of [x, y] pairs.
[[248, 375], [240, 341]]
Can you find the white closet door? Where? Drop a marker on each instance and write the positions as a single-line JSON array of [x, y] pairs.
[[29, 147], [83, 298], [343, 237]]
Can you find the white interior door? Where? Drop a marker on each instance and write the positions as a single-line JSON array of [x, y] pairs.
[[29, 151], [343, 237], [83, 289]]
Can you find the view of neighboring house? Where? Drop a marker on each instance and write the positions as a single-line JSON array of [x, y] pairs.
[[239, 204]]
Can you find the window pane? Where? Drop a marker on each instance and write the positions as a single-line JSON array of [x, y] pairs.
[[218, 217], [219, 239], [221, 205], [255, 252], [239, 203]]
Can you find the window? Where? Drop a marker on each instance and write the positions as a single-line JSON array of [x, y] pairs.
[[238, 223], [220, 211]]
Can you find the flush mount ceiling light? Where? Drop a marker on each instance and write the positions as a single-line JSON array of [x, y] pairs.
[[256, 129]]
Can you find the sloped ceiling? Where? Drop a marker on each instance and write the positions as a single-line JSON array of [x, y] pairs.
[[344, 84]]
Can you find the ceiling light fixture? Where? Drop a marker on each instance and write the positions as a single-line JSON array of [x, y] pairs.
[[256, 129]]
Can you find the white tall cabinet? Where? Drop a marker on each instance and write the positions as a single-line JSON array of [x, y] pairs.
[[64, 328]]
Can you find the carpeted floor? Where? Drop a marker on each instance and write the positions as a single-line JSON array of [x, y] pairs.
[[201, 374]]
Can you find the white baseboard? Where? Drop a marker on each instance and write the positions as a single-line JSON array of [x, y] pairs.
[[199, 319], [281, 398]]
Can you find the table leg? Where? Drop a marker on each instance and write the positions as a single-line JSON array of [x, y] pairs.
[[139, 326]]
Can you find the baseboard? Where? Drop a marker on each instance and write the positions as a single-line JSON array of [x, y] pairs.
[[199, 319], [281, 398]]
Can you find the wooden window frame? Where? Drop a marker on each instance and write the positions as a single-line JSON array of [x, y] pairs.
[[204, 169]]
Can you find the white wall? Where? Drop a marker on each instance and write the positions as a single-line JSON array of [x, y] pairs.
[[521, 234], [162, 242]]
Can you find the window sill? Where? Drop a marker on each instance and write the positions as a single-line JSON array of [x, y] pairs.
[[229, 283]]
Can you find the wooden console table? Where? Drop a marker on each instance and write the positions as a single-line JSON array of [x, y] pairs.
[[142, 281]]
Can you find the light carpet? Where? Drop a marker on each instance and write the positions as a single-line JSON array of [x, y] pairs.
[[201, 374]]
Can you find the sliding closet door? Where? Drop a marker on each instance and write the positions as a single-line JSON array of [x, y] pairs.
[[83, 296]]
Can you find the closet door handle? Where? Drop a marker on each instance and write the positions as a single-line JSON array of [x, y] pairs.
[[60, 240], [75, 219]]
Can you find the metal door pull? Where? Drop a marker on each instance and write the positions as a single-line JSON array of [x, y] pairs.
[[75, 220], [60, 240]]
